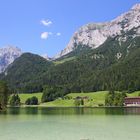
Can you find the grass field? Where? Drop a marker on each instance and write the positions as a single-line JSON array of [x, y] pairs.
[[94, 99], [134, 94], [24, 97], [64, 60]]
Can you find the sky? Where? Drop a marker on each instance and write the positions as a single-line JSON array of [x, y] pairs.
[[46, 26]]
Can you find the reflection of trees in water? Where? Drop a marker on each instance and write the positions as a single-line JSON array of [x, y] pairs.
[[132, 110], [18, 110], [14, 110], [72, 111], [31, 110], [122, 111], [114, 111], [58, 111]]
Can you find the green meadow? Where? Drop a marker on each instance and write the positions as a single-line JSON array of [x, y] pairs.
[[94, 99], [25, 96]]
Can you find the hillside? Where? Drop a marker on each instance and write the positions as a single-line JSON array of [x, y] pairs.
[[26, 72], [109, 66]]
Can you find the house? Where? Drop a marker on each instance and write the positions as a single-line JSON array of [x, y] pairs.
[[132, 101], [81, 98]]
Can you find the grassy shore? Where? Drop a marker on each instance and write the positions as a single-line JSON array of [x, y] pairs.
[[94, 99], [25, 96]]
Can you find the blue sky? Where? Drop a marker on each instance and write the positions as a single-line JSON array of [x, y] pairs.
[[46, 26]]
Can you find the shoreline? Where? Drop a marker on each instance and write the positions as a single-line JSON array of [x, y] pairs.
[[33, 106]]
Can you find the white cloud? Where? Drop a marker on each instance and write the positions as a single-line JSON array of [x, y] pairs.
[[58, 34], [46, 22], [45, 35]]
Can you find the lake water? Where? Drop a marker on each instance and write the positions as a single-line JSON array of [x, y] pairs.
[[70, 124]]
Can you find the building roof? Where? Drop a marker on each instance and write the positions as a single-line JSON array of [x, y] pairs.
[[132, 97]]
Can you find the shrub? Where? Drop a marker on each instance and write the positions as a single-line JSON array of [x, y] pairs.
[[32, 101], [115, 99], [100, 104], [28, 101], [77, 102], [15, 100]]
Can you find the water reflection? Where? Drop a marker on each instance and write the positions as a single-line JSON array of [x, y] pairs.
[[72, 111], [134, 110], [32, 111]]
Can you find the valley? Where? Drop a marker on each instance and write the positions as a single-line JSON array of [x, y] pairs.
[[99, 57], [70, 70]]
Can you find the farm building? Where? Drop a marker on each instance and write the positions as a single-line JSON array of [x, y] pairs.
[[132, 101]]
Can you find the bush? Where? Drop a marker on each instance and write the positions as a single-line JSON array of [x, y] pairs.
[[77, 102], [100, 104], [52, 93], [15, 100], [82, 102], [115, 99], [32, 101], [28, 101]]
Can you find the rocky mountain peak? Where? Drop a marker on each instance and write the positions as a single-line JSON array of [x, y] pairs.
[[45, 56], [95, 34], [7, 55], [136, 7]]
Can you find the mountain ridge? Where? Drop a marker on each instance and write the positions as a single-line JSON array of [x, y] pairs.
[[7, 55], [95, 34], [115, 64]]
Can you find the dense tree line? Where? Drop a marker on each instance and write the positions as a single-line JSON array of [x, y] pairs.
[[26, 73], [4, 94], [52, 93]]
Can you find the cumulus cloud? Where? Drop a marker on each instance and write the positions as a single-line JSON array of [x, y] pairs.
[[45, 35], [46, 22], [58, 34]]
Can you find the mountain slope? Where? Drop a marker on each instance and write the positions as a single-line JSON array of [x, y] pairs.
[[7, 55], [95, 34], [91, 65], [25, 73], [108, 66]]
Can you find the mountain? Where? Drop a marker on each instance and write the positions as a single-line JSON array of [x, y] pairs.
[[7, 55], [25, 73], [95, 34], [114, 65], [46, 57], [103, 57]]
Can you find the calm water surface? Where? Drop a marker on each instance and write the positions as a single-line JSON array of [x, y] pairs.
[[70, 124]]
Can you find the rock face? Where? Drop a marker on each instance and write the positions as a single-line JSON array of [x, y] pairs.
[[95, 34], [7, 55], [46, 57]]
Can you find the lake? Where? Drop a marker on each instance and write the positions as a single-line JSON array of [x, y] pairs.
[[70, 124]]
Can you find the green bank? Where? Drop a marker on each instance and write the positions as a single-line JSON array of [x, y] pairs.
[[93, 99]]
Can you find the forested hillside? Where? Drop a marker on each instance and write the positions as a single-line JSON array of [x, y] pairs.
[[26, 73], [114, 65]]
